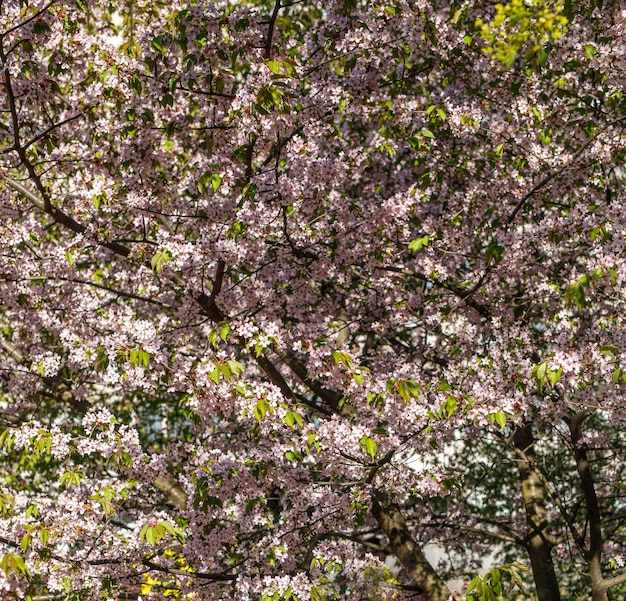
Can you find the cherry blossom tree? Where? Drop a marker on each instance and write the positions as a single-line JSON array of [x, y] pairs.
[[293, 291]]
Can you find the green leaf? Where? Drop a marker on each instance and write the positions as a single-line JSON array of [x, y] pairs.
[[500, 419], [249, 191], [408, 389], [419, 243], [144, 358], [234, 367], [153, 533], [342, 358], [107, 507], [159, 260], [139, 358], [225, 369], [150, 534], [212, 337], [72, 478], [493, 252], [215, 374], [102, 360], [43, 444], [448, 408], [413, 387], [216, 181], [6, 505], [292, 418], [172, 530], [590, 51], [26, 540], [317, 594], [260, 409], [44, 535], [610, 349], [209, 180], [369, 446], [403, 391], [274, 66], [575, 293], [158, 45], [554, 374], [545, 374], [224, 332], [13, 563], [6, 439], [540, 371]]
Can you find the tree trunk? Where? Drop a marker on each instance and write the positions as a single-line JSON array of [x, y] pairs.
[[539, 544], [599, 588], [406, 549]]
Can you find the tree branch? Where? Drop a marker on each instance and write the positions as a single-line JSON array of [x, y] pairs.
[[270, 30], [172, 490], [63, 218], [215, 576]]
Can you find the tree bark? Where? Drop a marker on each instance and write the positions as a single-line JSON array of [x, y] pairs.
[[407, 551], [599, 587], [538, 540]]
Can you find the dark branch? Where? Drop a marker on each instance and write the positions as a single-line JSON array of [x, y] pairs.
[[270, 30]]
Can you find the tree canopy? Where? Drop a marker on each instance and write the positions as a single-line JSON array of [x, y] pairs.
[[293, 291]]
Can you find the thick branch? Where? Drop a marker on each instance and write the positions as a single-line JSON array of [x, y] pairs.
[[48, 130], [270, 30], [615, 581], [172, 490], [206, 302], [330, 398], [63, 218]]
